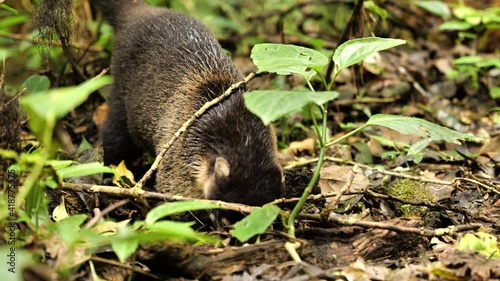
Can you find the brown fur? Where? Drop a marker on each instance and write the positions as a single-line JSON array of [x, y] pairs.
[[166, 65]]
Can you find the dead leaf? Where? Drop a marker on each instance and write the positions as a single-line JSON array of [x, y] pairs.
[[305, 146], [60, 212], [110, 227], [470, 265], [100, 115], [123, 177], [375, 147], [334, 178], [443, 65]]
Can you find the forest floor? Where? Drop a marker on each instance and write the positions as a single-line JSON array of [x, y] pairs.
[[391, 216]]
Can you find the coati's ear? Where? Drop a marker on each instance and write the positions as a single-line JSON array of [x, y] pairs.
[[216, 175], [221, 169]]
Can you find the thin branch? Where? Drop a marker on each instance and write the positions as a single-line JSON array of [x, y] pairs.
[[139, 193], [351, 221], [186, 124], [125, 266], [7, 104], [19, 37], [490, 188], [337, 198], [101, 214]]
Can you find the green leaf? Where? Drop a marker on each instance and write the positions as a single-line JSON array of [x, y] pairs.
[[383, 141], [355, 51], [478, 61], [418, 147], [68, 228], [93, 273], [481, 242], [8, 154], [455, 25], [495, 92], [364, 155], [419, 127], [124, 243], [171, 208], [464, 12], [288, 59], [272, 105], [84, 145], [255, 223], [436, 7], [58, 102], [10, 9], [59, 164], [374, 8], [13, 20], [179, 231], [44, 108], [81, 170], [15, 260], [36, 83]]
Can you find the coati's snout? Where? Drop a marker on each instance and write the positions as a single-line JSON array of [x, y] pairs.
[[222, 181]]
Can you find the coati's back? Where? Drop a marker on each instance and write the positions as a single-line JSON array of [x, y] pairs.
[[166, 65]]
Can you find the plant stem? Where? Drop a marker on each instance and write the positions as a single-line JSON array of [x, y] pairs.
[[311, 115], [305, 194], [351, 133], [36, 172], [296, 210], [316, 127]]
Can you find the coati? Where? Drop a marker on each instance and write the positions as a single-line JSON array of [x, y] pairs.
[[166, 65]]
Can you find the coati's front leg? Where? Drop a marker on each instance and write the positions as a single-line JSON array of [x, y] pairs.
[[117, 142]]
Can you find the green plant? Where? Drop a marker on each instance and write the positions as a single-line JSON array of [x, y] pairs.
[[481, 242], [27, 203], [470, 68], [288, 59], [471, 22]]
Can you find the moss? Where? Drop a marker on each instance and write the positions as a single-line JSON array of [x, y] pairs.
[[409, 190]]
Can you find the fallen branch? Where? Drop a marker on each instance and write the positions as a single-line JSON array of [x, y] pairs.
[[186, 124], [139, 193], [352, 221]]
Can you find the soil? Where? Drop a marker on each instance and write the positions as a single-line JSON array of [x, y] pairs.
[[389, 215]]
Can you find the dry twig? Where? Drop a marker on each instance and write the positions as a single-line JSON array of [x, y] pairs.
[[186, 124]]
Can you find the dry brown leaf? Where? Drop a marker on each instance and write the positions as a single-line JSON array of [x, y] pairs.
[[334, 178], [375, 147], [305, 146], [100, 115]]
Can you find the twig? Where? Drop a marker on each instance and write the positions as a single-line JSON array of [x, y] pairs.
[[350, 221], [343, 161], [186, 124], [20, 37], [139, 193], [336, 199], [100, 214], [390, 173], [312, 197], [125, 266], [7, 104], [490, 188]]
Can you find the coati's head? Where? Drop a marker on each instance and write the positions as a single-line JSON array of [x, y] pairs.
[[256, 186], [236, 160]]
